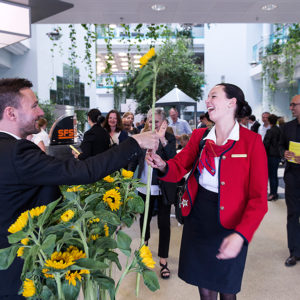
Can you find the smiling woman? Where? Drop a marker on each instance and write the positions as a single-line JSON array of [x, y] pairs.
[[227, 189]]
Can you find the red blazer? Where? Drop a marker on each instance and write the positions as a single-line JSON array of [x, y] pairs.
[[243, 181]]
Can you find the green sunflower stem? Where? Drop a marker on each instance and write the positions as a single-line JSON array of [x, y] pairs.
[[59, 288], [126, 271], [149, 177], [83, 239]]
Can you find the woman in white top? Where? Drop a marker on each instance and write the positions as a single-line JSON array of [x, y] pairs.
[[42, 138]]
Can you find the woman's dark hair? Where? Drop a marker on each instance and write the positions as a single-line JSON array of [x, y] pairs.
[[119, 126], [94, 115], [272, 119], [243, 109]]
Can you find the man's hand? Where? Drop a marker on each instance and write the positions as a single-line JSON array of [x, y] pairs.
[[155, 161], [297, 159], [230, 247], [289, 155], [147, 140]]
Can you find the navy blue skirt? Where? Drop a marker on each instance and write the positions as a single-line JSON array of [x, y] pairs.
[[201, 238]]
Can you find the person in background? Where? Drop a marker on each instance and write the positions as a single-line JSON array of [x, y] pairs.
[[113, 125], [179, 126], [184, 139], [271, 142], [254, 124], [266, 125], [127, 120], [280, 122], [142, 124], [162, 192], [291, 133], [42, 138], [200, 124], [30, 178], [96, 140], [226, 196], [243, 122], [207, 122]]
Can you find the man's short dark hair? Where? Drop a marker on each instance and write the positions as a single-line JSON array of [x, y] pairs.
[[252, 118], [10, 92]]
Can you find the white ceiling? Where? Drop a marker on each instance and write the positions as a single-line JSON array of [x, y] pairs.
[[178, 11]]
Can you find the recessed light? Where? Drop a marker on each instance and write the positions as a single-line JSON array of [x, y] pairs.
[[122, 53], [158, 7], [269, 7]]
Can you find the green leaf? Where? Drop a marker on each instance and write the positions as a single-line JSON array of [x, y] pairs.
[[70, 196], [46, 293], [150, 280], [92, 197], [104, 282], [49, 244], [16, 237], [106, 243], [7, 256], [91, 264], [108, 217], [112, 256], [124, 242], [128, 219], [70, 291], [31, 257], [50, 207], [136, 204]]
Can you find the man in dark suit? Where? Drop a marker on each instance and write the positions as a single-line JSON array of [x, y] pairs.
[[30, 178], [254, 123], [291, 132]]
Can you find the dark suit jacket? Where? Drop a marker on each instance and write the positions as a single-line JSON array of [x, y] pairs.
[[30, 178], [96, 140], [271, 141], [255, 126], [289, 133]]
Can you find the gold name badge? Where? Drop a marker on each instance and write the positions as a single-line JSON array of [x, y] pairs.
[[238, 155]]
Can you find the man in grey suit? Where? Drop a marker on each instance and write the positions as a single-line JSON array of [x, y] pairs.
[[291, 132], [29, 177]]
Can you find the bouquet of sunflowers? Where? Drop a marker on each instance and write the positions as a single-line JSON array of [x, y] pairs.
[[73, 242]]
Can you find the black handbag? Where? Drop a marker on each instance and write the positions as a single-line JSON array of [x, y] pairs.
[[181, 186]]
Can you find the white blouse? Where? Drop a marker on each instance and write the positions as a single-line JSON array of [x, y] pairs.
[[206, 180]]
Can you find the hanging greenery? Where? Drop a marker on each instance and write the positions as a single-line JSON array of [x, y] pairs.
[[109, 35], [90, 38], [73, 47], [281, 57]]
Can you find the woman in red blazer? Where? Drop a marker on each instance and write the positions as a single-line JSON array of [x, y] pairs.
[[226, 195]]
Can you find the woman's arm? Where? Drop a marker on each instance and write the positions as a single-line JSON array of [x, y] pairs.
[[42, 146]]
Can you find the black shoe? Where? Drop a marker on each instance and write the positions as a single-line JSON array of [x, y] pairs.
[[291, 261], [272, 197]]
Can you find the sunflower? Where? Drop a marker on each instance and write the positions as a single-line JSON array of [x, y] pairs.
[[67, 215], [20, 223], [127, 174], [109, 179], [60, 260], [94, 237], [76, 253], [144, 59], [35, 212], [46, 274], [76, 188], [146, 256], [95, 220], [28, 288], [22, 220], [72, 275], [106, 230], [113, 199], [20, 252], [25, 241]]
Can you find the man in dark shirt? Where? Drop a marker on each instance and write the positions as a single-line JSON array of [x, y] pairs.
[[291, 132], [30, 178]]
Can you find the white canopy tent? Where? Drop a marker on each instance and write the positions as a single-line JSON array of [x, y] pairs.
[[178, 99]]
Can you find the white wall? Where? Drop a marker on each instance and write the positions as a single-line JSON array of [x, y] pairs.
[[228, 53]]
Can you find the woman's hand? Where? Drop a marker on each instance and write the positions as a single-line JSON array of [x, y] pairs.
[[231, 246], [155, 161], [75, 154]]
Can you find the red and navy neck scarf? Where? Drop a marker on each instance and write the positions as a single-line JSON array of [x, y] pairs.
[[209, 152]]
